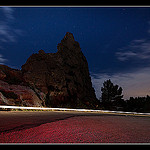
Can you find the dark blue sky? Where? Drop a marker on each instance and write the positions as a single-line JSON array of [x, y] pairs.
[[115, 40]]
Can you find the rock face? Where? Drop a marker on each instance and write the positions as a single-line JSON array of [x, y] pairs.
[[58, 79], [18, 95], [15, 91], [63, 76]]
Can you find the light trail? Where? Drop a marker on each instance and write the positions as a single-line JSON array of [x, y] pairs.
[[78, 110]]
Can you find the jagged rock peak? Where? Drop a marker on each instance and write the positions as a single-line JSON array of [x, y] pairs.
[[63, 76], [69, 43], [41, 51], [69, 36]]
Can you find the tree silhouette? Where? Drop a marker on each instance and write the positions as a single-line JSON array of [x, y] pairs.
[[111, 92]]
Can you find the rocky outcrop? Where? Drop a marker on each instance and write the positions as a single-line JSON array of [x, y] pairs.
[[18, 95], [58, 79], [11, 76], [15, 91], [63, 76]]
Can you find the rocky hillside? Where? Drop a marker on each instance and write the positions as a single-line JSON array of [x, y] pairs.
[[58, 79], [15, 91]]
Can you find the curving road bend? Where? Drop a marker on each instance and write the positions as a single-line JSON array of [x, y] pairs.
[[72, 127]]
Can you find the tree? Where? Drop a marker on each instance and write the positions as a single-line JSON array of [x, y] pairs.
[[111, 92]]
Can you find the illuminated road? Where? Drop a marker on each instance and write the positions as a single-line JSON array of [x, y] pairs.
[[72, 127]]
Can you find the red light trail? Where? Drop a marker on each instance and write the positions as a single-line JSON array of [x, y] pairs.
[[84, 129]]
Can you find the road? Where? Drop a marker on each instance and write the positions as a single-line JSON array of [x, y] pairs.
[[72, 127]]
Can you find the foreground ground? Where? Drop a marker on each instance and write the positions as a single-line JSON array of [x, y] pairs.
[[72, 127]]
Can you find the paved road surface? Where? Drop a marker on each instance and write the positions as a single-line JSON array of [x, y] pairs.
[[72, 127]]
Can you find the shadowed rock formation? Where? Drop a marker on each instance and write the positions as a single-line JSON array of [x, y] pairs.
[[62, 77], [15, 91]]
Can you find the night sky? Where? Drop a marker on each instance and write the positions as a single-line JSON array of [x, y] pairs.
[[115, 40]]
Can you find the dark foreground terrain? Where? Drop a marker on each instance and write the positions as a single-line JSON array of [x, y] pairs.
[[72, 127]]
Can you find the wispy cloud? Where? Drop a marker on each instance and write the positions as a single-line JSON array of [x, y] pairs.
[[137, 49], [134, 83], [2, 60], [8, 34], [8, 12]]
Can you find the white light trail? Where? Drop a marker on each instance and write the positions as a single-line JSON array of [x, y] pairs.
[[78, 110]]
